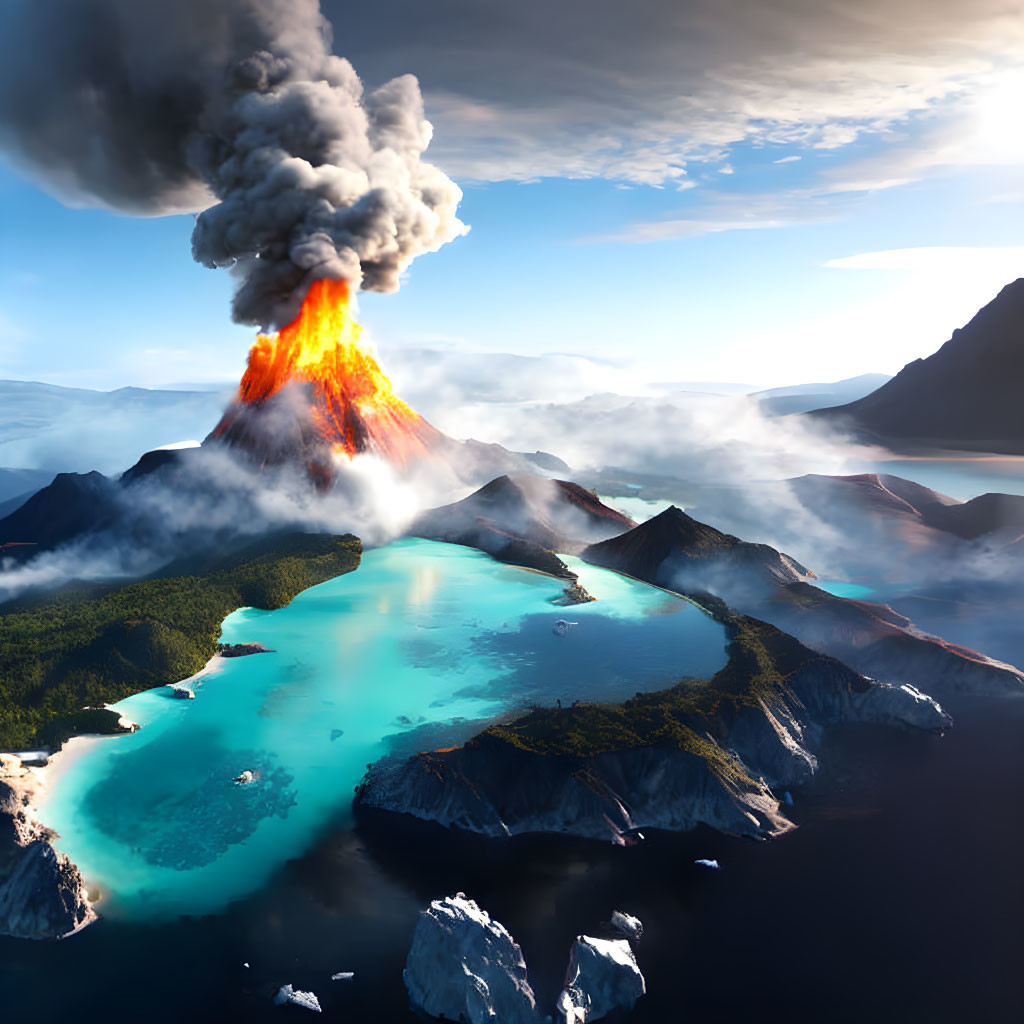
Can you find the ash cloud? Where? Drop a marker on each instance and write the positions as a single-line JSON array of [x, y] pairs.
[[236, 108]]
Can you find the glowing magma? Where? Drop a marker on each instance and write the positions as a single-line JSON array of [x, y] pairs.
[[352, 406]]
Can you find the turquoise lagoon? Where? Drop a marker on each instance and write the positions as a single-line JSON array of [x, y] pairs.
[[410, 652]]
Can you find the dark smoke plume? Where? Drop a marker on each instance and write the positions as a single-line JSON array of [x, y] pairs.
[[239, 109]]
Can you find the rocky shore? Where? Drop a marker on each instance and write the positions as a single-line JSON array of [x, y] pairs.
[[42, 894], [713, 753]]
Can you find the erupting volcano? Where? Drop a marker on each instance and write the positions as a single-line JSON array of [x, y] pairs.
[[312, 390]]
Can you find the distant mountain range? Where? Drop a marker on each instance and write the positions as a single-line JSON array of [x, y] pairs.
[[806, 397], [76, 429], [965, 396]]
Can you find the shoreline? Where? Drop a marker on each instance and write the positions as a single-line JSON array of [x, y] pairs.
[[34, 785], [60, 761]]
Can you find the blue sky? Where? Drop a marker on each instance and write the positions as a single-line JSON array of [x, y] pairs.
[[723, 264]]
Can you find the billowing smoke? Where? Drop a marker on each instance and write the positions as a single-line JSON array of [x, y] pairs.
[[237, 108]]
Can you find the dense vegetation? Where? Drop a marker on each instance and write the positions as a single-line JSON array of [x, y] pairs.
[[89, 646]]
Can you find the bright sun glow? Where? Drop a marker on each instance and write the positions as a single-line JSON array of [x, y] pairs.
[[997, 135]]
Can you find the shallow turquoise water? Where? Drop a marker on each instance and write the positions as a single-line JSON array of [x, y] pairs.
[[409, 652], [840, 588]]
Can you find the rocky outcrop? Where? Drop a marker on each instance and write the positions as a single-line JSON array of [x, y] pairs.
[[42, 894], [463, 966], [241, 650], [575, 593], [712, 753], [602, 976]]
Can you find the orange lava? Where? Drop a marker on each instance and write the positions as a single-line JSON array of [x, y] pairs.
[[352, 405]]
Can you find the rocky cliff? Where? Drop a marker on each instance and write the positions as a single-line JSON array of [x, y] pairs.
[[700, 753], [42, 895]]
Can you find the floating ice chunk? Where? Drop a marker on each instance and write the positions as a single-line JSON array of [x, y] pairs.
[[343, 976], [706, 863], [602, 976], [465, 966], [307, 1000]]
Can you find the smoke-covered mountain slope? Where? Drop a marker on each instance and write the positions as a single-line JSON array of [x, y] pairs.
[[158, 503], [873, 527], [677, 552], [964, 396], [513, 514], [885, 644]]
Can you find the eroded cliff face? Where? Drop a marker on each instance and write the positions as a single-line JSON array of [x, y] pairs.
[[691, 755], [42, 894]]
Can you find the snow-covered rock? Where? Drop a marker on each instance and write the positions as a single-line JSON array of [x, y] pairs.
[[602, 976], [465, 967], [626, 924], [307, 1000]]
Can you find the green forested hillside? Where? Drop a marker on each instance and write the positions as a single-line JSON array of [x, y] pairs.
[[90, 646]]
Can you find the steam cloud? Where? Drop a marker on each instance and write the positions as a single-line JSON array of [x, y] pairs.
[[165, 108]]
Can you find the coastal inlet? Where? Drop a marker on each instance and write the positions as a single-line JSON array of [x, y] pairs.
[[414, 651]]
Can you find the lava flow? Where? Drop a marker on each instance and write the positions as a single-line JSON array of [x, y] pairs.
[[338, 400]]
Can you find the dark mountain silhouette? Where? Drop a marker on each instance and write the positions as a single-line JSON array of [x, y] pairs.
[[986, 516], [964, 396], [73, 505]]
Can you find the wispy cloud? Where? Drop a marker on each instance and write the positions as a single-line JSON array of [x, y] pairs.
[[938, 258]]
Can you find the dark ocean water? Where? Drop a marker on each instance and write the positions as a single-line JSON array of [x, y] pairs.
[[900, 898]]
